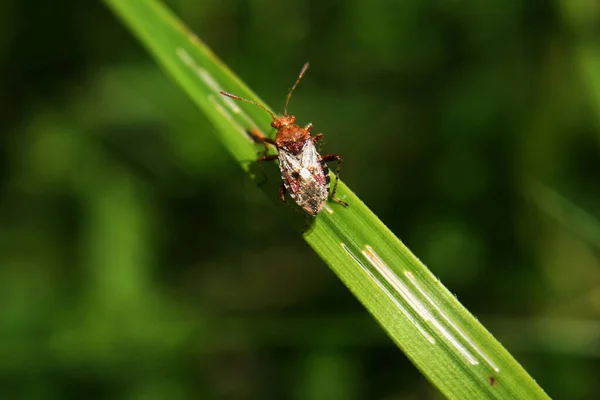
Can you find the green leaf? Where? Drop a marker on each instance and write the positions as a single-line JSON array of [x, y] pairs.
[[451, 348]]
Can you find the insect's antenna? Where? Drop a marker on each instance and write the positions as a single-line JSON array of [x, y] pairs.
[[233, 96], [289, 96]]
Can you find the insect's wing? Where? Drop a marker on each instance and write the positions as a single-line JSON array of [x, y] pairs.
[[305, 178], [290, 166], [312, 161]]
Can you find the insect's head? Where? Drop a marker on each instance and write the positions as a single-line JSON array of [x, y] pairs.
[[283, 121]]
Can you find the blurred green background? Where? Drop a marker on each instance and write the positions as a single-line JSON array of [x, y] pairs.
[[138, 262]]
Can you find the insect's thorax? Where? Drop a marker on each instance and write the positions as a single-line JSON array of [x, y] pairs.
[[292, 138]]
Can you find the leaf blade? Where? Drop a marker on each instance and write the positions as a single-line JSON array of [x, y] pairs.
[[450, 347]]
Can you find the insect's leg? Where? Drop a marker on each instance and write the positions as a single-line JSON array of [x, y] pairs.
[[335, 157], [307, 220], [282, 191], [308, 127], [269, 157], [260, 138], [318, 138], [269, 140]]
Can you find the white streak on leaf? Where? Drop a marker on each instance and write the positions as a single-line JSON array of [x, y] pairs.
[[419, 327], [412, 279], [415, 303]]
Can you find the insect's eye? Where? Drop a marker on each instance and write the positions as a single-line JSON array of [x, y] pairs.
[[275, 124]]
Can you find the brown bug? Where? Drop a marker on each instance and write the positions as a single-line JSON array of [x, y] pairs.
[[303, 170]]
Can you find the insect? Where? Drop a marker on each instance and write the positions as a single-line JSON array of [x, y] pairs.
[[304, 171]]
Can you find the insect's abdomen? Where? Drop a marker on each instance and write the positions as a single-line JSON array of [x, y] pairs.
[[311, 194], [306, 177]]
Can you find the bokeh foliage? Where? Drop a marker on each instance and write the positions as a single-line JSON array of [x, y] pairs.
[[139, 263]]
